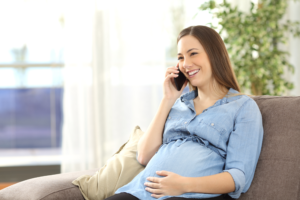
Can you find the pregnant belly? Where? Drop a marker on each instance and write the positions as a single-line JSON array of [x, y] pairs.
[[189, 159]]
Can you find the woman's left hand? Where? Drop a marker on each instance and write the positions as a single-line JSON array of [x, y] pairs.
[[172, 184]]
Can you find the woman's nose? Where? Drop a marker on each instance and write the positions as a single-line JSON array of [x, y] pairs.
[[187, 66]]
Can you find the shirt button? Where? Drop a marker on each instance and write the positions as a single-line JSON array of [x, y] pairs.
[[185, 122], [212, 124], [169, 117]]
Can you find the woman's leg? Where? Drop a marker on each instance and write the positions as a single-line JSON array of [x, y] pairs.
[[122, 196], [222, 197], [126, 196]]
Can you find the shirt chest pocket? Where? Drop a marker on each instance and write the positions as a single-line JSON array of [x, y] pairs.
[[172, 123], [175, 126], [209, 130], [214, 125]]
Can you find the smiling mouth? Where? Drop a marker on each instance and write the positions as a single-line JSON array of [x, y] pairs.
[[193, 73]]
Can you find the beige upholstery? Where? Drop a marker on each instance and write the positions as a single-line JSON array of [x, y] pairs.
[[117, 172]]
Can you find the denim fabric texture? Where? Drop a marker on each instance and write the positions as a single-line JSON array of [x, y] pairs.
[[226, 137]]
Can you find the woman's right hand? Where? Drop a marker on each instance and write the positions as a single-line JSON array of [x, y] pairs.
[[170, 91]]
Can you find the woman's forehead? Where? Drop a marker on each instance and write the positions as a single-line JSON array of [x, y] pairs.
[[188, 42]]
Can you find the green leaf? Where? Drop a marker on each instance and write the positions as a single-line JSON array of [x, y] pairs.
[[257, 31]]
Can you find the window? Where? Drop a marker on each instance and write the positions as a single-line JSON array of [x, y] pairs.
[[31, 79]]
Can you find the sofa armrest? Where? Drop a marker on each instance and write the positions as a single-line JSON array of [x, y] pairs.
[[58, 187]]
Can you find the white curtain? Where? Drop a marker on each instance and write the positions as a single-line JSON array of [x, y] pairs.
[[115, 64], [78, 133], [294, 48]]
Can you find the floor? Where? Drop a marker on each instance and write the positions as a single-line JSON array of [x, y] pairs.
[[4, 185]]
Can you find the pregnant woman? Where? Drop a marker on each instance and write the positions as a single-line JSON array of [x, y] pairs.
[[203, 144]]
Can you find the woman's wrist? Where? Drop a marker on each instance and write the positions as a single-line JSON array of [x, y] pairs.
[[170, 101], [186, 184]]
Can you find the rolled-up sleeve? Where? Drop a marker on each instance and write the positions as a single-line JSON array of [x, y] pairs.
[[244, 147], [136, 156]]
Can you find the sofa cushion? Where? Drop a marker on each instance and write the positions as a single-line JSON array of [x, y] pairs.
[[117, 172], [277, 174], [52, 187]]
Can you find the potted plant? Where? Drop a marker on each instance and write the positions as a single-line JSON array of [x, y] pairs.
[[252, 41]]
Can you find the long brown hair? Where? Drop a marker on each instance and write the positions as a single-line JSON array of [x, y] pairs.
[[216, 51]]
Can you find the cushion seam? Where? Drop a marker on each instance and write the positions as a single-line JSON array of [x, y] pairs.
[[275, 97], [56, 192]]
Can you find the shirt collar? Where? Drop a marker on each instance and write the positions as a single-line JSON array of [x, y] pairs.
[[194, 93]]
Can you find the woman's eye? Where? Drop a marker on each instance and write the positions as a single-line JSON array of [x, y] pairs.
[[191, 55]]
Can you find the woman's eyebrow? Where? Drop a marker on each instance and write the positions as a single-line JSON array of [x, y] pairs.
[[187, 51]]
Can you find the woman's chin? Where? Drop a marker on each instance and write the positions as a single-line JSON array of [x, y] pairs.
[[192, 83]]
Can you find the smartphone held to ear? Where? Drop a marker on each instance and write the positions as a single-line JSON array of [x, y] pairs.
[[179, 80]]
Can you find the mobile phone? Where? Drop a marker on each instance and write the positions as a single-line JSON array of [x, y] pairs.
[[179, 80]]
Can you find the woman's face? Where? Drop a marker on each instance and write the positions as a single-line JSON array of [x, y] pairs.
[[192, 57]]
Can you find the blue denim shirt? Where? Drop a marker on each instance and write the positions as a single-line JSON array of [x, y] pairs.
[[226, 137]]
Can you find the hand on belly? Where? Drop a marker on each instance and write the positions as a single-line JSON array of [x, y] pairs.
[[170, 184]]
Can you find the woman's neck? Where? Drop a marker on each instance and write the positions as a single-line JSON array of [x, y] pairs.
[[210, 95]]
